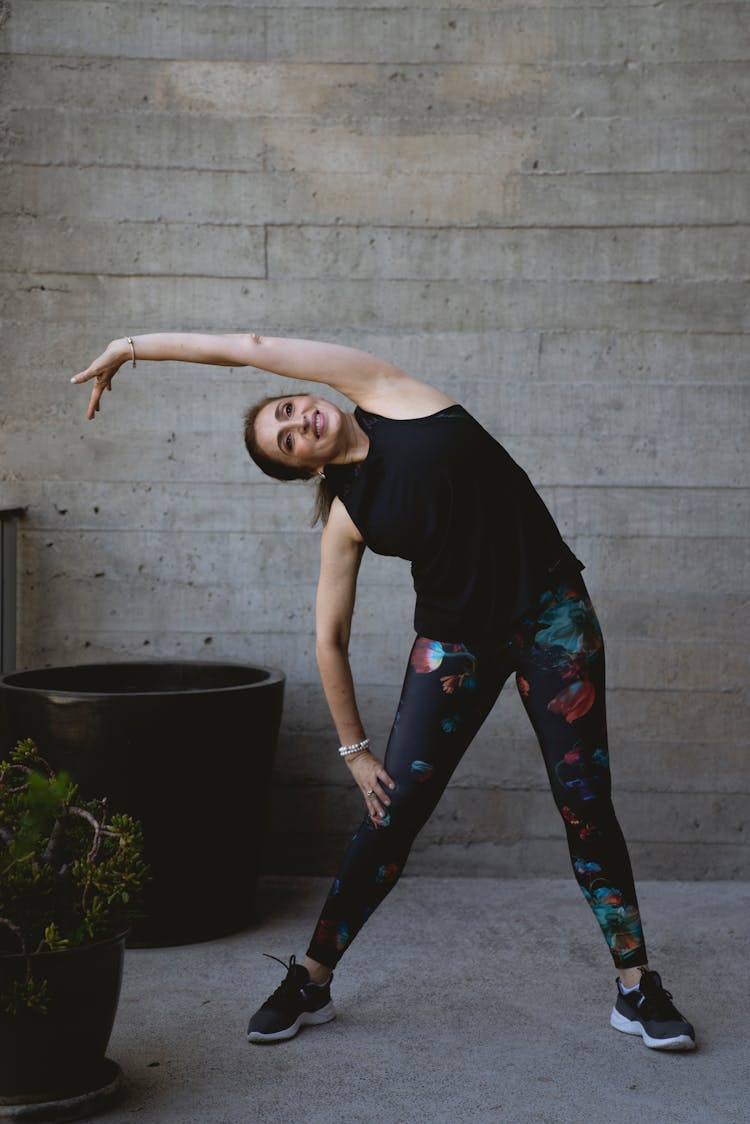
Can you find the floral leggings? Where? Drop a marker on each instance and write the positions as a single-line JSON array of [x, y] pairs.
[[557, 654]]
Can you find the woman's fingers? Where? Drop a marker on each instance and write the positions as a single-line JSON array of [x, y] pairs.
[[381, 795], [372, 800], [377, 797], [386, 779], [84, 376], [99, 387], [102, 371], [99, 369], [96, 394], [378, 801], [375, 784]]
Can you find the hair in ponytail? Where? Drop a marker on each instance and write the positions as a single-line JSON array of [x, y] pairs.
[[324, 497]]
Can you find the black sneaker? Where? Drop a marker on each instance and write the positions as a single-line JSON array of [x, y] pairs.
[[650, 1012], [296, 1002]]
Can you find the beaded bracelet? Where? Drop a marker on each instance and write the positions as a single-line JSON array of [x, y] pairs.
[[356, 747]]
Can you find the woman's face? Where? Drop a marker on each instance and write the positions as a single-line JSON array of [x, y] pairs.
[[303, 431]]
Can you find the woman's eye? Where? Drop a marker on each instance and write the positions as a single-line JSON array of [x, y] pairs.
[[288, 443], [288, 409]]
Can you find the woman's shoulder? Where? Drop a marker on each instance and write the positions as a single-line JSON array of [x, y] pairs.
[[369, 419], [402, 398]]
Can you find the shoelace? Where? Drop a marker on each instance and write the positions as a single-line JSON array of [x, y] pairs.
[[289, 966], [657, 1004], [289, 989]]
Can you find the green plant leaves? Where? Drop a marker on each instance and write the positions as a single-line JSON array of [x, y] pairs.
[[69, 872]]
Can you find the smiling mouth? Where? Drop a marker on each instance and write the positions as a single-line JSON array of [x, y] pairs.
[[317, 423]]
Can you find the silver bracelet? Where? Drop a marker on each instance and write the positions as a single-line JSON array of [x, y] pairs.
[[132, 347], [356, 747]]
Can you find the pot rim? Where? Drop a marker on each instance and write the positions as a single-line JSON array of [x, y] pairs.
[[272, 677], [79, 948]]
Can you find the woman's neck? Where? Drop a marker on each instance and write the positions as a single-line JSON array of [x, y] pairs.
[[355, 443]]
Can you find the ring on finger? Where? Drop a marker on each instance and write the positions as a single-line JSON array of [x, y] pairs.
[[370, 792]]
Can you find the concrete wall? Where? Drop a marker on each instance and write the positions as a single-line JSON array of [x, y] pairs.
[[537, 205]]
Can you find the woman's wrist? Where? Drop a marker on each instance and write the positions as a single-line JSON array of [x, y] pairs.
[[352, 757], [121, 348], [359, 746], [353, 748]]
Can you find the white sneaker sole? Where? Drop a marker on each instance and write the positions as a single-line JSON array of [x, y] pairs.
[[632, 1026], [306, 1018]]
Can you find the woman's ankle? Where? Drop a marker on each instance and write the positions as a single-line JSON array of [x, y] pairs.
[[318, 973], [631, 977]]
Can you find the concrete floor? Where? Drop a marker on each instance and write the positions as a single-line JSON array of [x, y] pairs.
[[463, 1000]]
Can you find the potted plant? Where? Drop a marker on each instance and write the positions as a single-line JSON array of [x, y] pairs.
[[137, 731], [70, 877]]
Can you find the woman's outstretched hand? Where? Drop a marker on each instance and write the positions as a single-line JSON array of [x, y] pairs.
[[374, 782], [103, 370]]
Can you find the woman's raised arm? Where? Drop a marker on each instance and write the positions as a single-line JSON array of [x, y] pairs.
[[185, 347], [367, 380]]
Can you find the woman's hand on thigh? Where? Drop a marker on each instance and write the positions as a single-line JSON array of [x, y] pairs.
[[374, 782]]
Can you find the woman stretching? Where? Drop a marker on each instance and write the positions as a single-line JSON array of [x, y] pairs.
[[411, 473]]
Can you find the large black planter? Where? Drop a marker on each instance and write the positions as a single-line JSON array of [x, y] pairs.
[[187, 748], [58, 1055]]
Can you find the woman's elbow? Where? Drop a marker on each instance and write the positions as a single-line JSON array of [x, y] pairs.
[[248, 348], [331, 646]]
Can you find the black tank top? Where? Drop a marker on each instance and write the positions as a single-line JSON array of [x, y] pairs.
[[442, 493]]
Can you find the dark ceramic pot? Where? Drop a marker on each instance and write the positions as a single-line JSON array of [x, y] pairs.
[[188, 749], [59, 1053]]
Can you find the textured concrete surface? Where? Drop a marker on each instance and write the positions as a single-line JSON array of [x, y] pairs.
[[462, 1000], [542, 206]]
